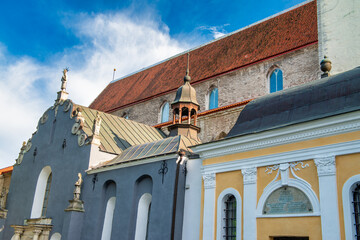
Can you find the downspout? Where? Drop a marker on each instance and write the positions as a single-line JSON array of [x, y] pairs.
[[178, 163]]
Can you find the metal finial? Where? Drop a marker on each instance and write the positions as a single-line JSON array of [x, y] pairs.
[[187, 76]]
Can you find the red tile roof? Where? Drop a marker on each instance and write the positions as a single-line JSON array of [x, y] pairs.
[[283, 33], [5, 170]]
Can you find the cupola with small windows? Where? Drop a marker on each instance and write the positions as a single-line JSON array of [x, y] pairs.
[[185, 108]]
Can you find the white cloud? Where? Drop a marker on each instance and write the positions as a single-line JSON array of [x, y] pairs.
[[109, 41], [216, 31]]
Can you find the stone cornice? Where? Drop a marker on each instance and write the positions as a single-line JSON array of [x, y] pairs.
[[300, 132], [285, 157]]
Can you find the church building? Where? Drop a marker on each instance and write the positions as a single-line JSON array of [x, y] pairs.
[[259, 140]]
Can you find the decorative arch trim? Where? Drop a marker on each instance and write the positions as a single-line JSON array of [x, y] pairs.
[[40, 192], [302, 185], [347, 202], [220, 212]]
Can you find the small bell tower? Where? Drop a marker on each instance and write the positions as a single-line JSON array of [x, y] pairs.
[[185, 110]]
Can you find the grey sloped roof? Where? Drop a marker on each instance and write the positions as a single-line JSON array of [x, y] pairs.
[[152, 149], [315, 100]]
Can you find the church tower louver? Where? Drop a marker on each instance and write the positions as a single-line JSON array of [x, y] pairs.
[[185, 109]]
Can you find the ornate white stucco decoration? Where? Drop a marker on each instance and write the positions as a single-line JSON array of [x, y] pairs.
[[67, 105], [81, 139], [249, 175], [325, 165], [284, 171], [44, 117], [96, 130], [28, 145], [79, 122], [21, 153], [209, 180]]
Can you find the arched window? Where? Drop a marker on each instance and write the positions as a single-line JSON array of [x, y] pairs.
[[42, 192], [229, 215], [108, 219], [143, 214], [356, 207], [276, 80], [213, 99], [165, 112], [351, 207]]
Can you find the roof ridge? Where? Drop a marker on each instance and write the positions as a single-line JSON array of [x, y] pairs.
[[212, 41]]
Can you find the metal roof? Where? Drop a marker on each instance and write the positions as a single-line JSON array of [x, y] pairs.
[[151, 149], [117, 133], [318, 99]]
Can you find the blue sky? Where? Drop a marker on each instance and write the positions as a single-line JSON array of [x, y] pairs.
[[40, 38]]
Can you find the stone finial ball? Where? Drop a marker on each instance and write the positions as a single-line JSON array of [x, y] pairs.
[[325, 65]]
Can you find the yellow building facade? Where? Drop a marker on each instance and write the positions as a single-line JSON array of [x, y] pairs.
[[290, 167]]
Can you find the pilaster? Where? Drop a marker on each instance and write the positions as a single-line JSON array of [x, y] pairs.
[[250, 191], [209, 206], [326, 168]]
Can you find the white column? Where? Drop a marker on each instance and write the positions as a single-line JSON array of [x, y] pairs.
[[209, 206], [192, 205], [329, 209], [250, 176]]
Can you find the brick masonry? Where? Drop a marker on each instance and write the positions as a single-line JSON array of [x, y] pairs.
[[299, 66]]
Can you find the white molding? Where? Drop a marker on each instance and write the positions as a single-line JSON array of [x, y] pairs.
[[220, 213], [325, 165], [304, 187], [249, 175], [278, 158], [330, 223], [209, 180], [339, 124], [131, 163], [347, 205], [209, 205], [250, 194]]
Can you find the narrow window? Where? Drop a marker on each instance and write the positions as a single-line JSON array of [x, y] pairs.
[[230, 218], [46, 196], [143, 214], [41, 196], [276, 80], [356, 202], [213, 99], [165, 112], [108, 219]]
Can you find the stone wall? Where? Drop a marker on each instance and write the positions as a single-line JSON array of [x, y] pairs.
[[338, 33], [299, 66]]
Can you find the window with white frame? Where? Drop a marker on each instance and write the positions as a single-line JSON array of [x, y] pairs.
[[165, 112], [213, 98], [356, 210], [229, 215], [351, 207], [276, 80]]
